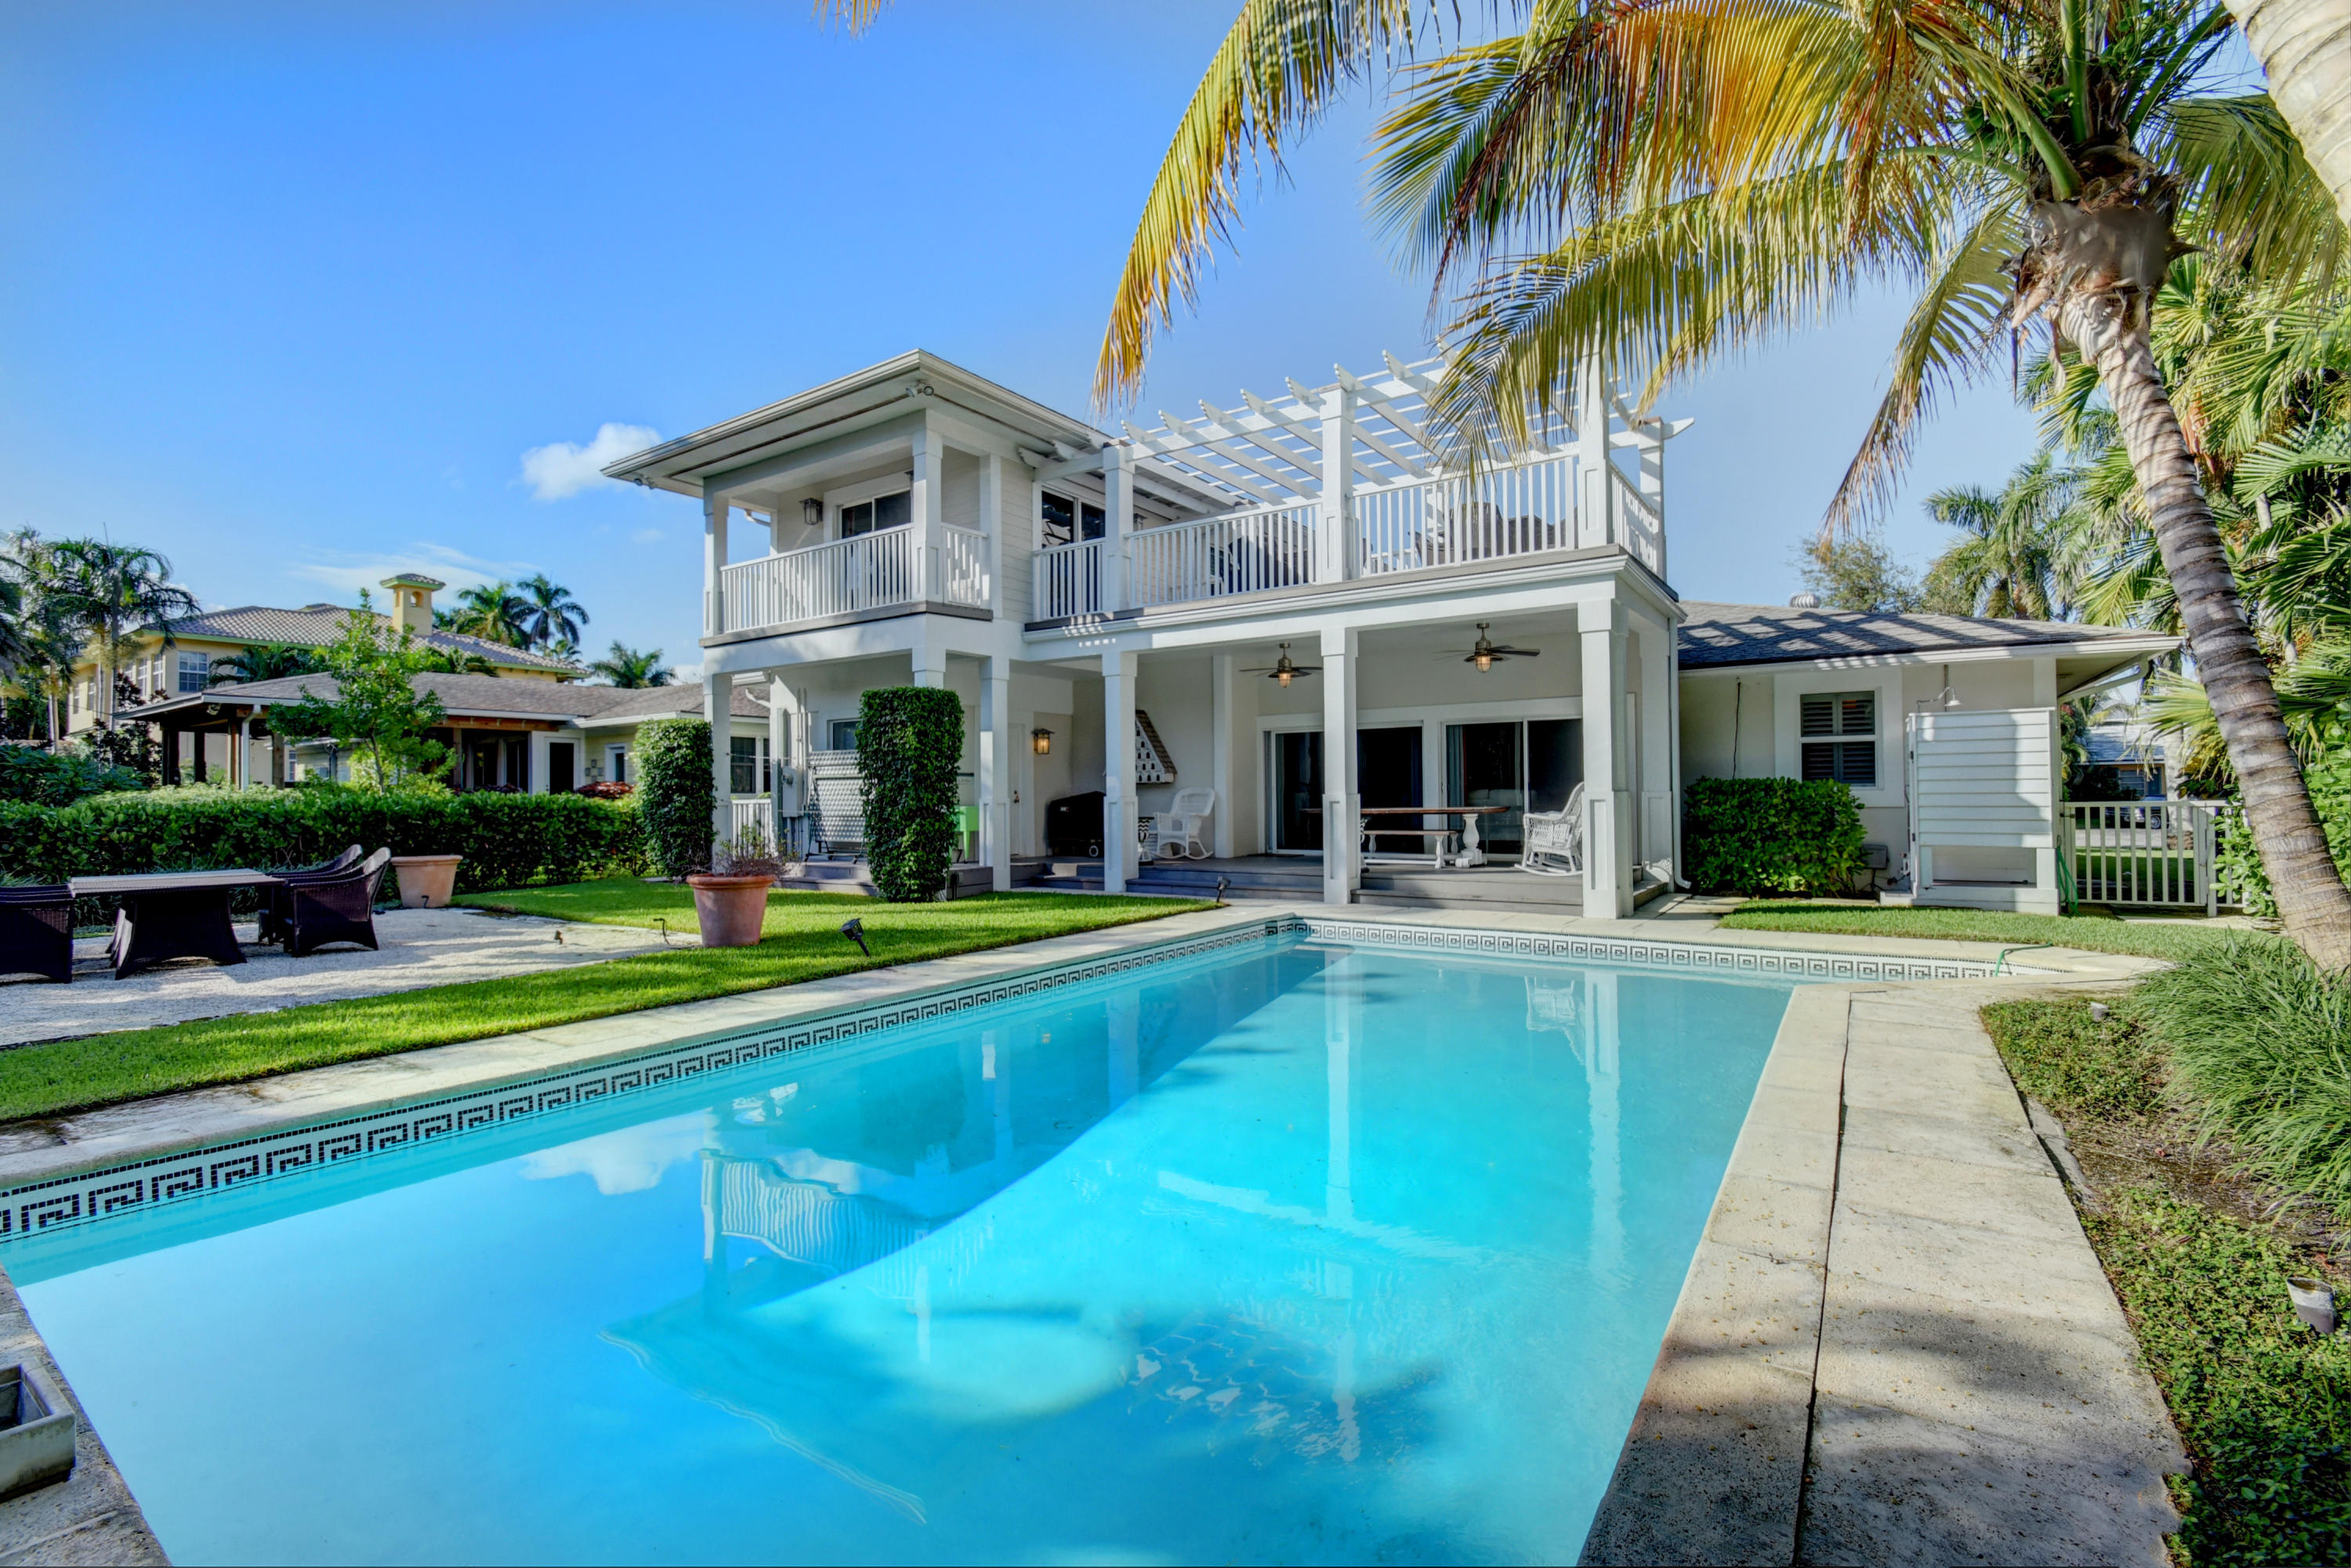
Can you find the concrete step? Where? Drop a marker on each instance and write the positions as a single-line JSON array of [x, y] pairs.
[[855, 876]]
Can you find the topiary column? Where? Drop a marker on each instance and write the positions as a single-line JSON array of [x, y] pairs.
[[909, 740], [676, 795]]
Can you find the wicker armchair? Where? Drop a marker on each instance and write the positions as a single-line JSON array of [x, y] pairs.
[[277, 901], [340, 908], [37, 931]]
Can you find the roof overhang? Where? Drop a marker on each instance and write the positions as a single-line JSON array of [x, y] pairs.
[[2092, 658], [895, 387]]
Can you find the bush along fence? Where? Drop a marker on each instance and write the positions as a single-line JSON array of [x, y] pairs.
[[909, 741], [1759, 836], [675, 794], [508, 840], [2237, 863]]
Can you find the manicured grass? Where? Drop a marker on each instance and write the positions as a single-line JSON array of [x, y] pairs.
[[2264, 1405], [2093, 933], [803, 942]]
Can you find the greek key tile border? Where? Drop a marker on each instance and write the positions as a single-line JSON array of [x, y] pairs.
[[1689, 957], [138, 1186]]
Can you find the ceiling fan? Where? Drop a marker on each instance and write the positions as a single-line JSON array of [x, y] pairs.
[[1282, 670], [1488, 653]]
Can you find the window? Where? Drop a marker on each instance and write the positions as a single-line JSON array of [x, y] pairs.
[[616, 764], [1066, 522], [844, 735], [1851, 757], [194, 670], [881, 512], [747, 764]]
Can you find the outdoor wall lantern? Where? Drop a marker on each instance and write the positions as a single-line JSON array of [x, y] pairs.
[[812, 512], [1041, 741]]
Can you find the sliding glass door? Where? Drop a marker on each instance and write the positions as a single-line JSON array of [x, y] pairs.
[[1519, 764]]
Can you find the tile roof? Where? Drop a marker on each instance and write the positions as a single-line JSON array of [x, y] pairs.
[[1717, 634], [484, 694], [314, 625]]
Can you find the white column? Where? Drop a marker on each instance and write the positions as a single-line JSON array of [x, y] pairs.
[[1334, 531], [991, 520], [1119, 860], [996, 768], [1655, 714], [1118, 521], [714, 561], [540, 773], [718, 706], [1220, 753], [782, 795], [923, 502], [1607, 832], [1591, 455], [244, 752], [1340, 797], [930, 663]]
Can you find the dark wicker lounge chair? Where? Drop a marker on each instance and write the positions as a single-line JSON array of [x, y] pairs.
[[340, 908], [37, 931], [276, 901]]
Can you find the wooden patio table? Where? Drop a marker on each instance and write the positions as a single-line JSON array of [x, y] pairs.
[[1470, 855], [171, 914]]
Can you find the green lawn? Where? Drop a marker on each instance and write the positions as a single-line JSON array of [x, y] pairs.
[[2092, 932], [803, 942]]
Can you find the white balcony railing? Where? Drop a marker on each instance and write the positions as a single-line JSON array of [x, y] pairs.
[[872, 572], [1070, 580], [1245, 552]]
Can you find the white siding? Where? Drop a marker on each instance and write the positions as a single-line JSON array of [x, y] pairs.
[[1983, 802]]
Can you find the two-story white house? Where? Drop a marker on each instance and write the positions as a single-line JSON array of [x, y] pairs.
[[1379, 664]]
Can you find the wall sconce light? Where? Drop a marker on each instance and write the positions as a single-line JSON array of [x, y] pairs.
[[812, 512], [1041, 741]]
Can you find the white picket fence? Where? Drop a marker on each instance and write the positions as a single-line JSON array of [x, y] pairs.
[[2143, 853]]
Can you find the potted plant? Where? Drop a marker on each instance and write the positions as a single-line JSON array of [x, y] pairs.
[[730, 899], [425, 880]]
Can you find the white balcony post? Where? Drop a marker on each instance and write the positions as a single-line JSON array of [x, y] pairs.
[[1221, 752], [1592, 498], [1335, 532], [996, 768], [923, 504], [1654, 714], [1119, 858], [1607, 833], [714, 562], [718, 707], [1118, 522], [782, 789], [1339, 799]]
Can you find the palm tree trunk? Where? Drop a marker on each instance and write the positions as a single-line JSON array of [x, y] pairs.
[[2311, 897], [2304, 47]]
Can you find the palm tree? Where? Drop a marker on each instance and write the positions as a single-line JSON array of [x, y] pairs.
[[624, 666], [493, 612], [555, 616], [106, 591], [263, 662], [451, 661], [2006, 566], [2305, 48]]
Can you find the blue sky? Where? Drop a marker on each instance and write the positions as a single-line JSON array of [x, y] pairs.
[[289, 292]]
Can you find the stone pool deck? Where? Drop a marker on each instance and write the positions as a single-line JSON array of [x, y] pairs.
[[1893, 1344]]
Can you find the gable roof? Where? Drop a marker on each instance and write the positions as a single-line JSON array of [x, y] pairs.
[[479, 696], [1716, 636], [315, 626]]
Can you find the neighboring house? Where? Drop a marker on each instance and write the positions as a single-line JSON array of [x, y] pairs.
[[917, 523], [529, 737], [198, 641]]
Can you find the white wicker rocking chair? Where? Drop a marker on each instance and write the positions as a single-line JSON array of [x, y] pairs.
[[1182, 824], [1554, 840]]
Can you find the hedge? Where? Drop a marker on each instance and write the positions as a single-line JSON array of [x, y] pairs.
[[909, 742], [675, 793], [1758, 836], [507, 841], [2237, 864]]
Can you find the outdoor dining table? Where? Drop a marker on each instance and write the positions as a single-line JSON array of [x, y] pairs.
[[171, 915], [1470, 853]]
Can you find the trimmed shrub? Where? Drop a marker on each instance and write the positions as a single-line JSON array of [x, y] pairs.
[[909, 740], [1758, 836], [508, 840], [42, 777], [2237, 865], [675, 794]]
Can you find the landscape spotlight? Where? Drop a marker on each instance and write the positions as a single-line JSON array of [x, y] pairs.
[[855, 931]]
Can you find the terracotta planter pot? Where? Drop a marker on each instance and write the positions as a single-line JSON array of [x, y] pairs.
[[730, 908], [425, 880]]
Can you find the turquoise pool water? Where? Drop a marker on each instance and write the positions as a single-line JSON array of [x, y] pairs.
[[1291, 1253]]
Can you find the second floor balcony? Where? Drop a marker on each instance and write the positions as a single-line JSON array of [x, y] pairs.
[[851, 577]]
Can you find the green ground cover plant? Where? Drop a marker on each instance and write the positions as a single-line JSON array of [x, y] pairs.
[[1771, 835], [2090, 931], [803, 942], [2262, 1404]]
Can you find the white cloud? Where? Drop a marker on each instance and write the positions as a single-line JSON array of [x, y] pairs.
[[630, 1160], [565, 467], [348, 572], [647, 537]]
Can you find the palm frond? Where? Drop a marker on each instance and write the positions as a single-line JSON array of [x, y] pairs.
[[2248, 192]]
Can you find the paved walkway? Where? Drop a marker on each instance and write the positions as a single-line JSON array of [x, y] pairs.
[[420, 947]]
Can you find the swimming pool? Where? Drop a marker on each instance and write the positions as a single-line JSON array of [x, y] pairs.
[[1293, 1251]]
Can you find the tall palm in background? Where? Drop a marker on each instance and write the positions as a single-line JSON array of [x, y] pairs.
[[492, 611], [625, 667], [554, 617], [1650, 186], [106, 591], [2006, 562], [263, 662]]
